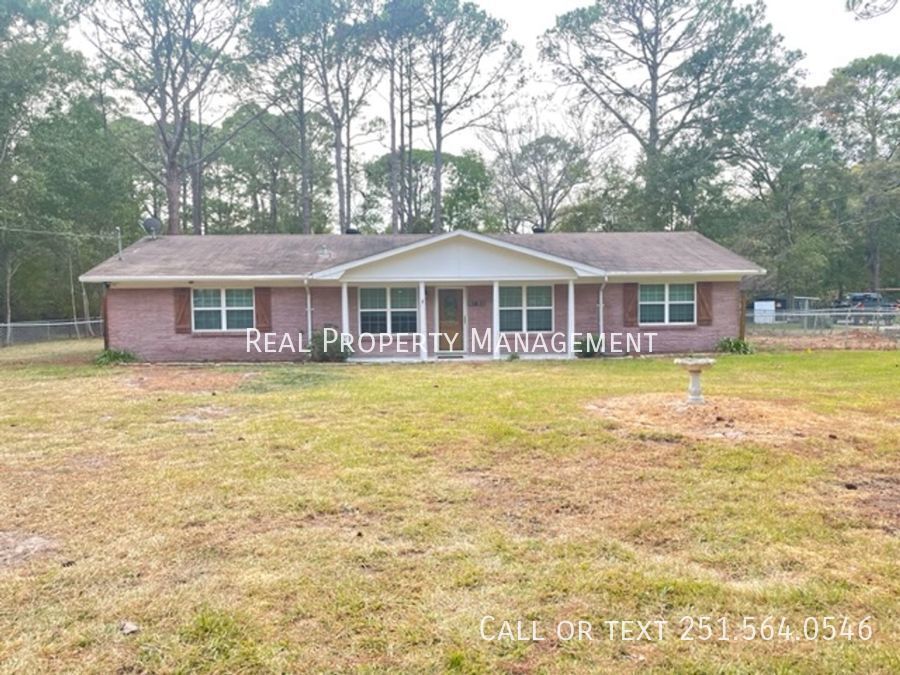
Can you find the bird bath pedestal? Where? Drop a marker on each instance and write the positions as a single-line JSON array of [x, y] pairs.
[[694, 368]]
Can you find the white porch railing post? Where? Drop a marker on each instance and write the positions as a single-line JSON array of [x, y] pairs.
[[423, 329], [345, 310], [495, 327], [570, 324]]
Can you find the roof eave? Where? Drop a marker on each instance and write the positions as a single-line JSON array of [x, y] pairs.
[[90, 278]]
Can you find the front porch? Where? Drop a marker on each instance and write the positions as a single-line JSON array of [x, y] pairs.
[[471, 319]]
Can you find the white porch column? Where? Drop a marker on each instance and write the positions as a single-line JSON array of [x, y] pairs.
[[495, 324], [345, 310], [423, 318], [570, 323]]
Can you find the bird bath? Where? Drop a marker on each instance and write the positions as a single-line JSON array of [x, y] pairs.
[[694, 367]]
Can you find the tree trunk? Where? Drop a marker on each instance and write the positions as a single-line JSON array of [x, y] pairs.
[[72, 297], [305, 161], [348, 191], [339, 175], [409, 137], [273, 200], [173, 197], [403, 185], [197, 197], [195, 171], [8, 277], [652, 176], [873, 256], [86, 310], [438, 183], [393, 179]]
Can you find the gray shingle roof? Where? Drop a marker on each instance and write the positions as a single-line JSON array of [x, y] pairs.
[[617, 252], [299, 255]]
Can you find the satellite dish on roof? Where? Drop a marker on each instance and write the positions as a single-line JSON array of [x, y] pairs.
[[152, 226]]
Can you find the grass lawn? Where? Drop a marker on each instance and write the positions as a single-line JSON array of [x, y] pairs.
[[366, 517]]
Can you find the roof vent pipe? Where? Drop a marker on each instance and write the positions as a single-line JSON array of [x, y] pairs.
[[537, 229]]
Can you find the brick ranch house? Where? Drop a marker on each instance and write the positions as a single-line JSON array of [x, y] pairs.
[[193, 298]]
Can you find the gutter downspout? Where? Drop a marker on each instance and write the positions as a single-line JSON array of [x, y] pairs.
[[308, 311], [602, 308]]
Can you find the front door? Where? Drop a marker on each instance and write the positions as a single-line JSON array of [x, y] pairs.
[[450, 319]]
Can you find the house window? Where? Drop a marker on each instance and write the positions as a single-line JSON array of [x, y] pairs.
[[388, 310], [667, 303], [222, 309], [526, 308]]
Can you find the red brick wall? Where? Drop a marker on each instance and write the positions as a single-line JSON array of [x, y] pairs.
[[680, 339], [143, 321]]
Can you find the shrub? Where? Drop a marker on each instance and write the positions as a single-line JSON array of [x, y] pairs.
[[109, 357], [731, 345], [585, 348], [326, 353]]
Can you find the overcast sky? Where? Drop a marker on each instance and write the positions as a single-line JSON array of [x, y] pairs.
[[828, 35]]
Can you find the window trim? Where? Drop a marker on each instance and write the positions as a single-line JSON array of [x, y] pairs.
[[666, 303], [388, 309], [524, 308], [223, 309]]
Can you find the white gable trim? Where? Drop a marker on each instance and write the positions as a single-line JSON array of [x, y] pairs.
[[579, 269]]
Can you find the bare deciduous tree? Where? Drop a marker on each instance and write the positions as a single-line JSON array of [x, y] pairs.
[[668, 71], [463, 75], [345, 74], [165, 52]]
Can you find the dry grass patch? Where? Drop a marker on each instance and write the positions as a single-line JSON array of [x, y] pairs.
[[190, 379], [616, 492], [670, 418]]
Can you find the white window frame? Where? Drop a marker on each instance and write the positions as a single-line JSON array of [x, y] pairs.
[[524, 308], [666, 302], [223, 309], [390, 311]]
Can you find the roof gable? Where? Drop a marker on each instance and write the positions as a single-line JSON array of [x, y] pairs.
[[458, 255]]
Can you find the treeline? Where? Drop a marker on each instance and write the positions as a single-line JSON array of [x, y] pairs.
[[233, 116]]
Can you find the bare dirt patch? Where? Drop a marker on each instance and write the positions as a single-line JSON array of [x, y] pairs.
[[877, 498], [203, 413], [669, 418], [565, 497], [185, 378], [837, 339], [18, 547]]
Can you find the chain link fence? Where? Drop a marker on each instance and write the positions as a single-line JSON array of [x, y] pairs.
[[23, 332], [886, 322]]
